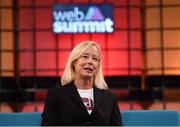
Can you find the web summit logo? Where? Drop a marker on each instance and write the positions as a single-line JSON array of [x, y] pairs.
[[82, 19]]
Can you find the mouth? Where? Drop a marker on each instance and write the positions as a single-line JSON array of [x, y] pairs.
[[88, 69]]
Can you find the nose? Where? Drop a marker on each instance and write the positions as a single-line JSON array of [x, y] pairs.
[[90, 60]]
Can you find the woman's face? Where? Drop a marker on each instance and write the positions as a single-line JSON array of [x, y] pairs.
[[87, 64]]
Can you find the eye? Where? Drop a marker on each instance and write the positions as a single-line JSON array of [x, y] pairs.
[[84, 56], [95, 59]]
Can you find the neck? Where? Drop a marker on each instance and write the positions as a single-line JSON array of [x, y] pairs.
[[83, 84]]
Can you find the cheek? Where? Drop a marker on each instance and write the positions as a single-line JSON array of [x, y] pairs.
[[96, 66], [77, 66]]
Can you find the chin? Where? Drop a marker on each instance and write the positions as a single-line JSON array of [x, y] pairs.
[[88, 76]]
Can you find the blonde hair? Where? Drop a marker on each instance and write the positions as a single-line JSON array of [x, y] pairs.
[[78, 50]]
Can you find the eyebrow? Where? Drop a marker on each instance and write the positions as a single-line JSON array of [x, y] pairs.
[[88, 54]]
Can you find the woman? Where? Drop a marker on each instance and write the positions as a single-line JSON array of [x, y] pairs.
[[82, 98]]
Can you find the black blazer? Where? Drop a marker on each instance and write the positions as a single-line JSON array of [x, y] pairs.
[[64, 106]]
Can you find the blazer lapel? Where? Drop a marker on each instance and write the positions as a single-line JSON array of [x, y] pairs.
[[72, 91], [97, 114], [97, 97]]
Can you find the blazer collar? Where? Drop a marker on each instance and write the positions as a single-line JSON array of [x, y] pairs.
[[98, 96], [72, 91]]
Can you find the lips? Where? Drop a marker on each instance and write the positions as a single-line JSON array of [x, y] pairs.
[[88, 69]]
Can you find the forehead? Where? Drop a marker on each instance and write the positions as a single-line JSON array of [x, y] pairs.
[[92, 50]]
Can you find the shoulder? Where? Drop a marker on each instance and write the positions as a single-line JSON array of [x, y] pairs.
[[55, 93], [56, 88], [106, 92], [59, 89]]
